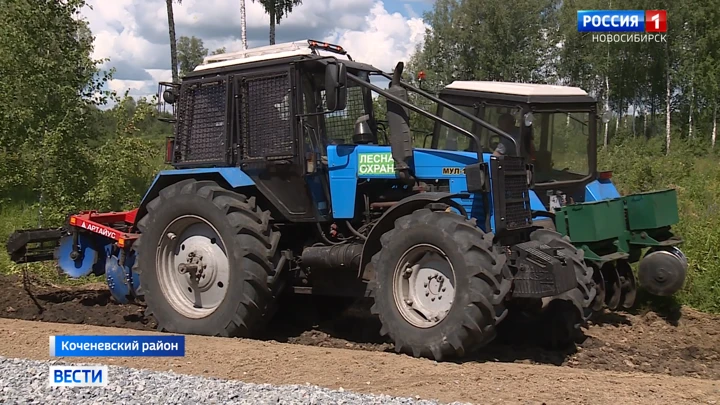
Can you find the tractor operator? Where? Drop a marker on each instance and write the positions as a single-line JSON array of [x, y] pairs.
[[506, 123]]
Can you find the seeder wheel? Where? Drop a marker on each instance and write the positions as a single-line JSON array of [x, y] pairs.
[[613, 289], [628, 286]]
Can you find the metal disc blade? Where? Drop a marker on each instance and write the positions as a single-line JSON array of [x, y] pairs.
[[81, 266], [628, 284], [599, 279], [116, 280], [612, 285]]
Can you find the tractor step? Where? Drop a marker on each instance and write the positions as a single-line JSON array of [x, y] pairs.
[[45, 241]]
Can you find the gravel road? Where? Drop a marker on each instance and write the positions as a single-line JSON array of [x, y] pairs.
[[370, 373], [26, 381]]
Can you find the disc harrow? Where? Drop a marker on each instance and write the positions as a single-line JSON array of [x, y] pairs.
[[616, 285]]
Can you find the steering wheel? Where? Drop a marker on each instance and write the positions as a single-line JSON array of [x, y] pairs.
[[381, 125]]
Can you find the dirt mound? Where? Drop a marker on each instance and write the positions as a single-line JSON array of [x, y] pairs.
[[684, 343], [89, 304]]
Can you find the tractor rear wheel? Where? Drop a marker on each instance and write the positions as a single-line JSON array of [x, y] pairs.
[[206, 258], [439, 285], [566, 312]]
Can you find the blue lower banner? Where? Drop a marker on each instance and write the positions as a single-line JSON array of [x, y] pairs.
[[79, 376], [117, 346]]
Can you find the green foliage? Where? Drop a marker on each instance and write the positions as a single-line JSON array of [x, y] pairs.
[[191, 53], [111, 176], [126, 163], [48, 89], [639, 165], [59, 152], [487, 40], [538, 41], [276, 10]]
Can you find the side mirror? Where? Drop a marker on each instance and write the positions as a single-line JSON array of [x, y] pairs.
[[336, 86]]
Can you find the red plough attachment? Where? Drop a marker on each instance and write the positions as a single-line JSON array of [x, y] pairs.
[[90, 242], [37, 245], [112, 225]]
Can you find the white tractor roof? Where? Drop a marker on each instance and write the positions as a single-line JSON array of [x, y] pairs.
[[518, 89], [277, 51]]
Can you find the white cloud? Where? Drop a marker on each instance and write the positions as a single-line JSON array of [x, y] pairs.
[[133, 33], [384, 40], [160, 75]]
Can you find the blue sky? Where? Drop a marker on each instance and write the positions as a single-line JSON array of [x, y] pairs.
[[132, 34], [409, 8]]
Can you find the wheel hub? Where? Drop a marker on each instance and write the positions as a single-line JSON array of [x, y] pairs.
[[198, 269], [434, 285], [425, 293], [193, 268]]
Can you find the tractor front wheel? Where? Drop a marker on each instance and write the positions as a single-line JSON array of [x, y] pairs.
[[439, 285], [205, 258]]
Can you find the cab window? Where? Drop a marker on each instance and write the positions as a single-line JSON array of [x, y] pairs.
[[562, 144], [449, 139], [503, 118], [335, 128], [340, 125]]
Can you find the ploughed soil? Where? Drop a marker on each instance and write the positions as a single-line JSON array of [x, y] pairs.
[[676, 341]]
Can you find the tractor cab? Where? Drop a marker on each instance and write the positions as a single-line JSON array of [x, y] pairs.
[[555, 128]]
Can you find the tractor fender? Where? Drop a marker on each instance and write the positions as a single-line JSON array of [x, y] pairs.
[[403, 207], [231, 177]]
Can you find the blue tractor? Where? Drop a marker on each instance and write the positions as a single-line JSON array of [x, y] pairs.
[[284, 180]]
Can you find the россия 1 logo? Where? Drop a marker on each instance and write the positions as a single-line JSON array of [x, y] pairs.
[[650, 21], [655, 21]]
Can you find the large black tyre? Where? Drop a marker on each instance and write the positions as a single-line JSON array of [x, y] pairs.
[[563, 326], [250, 246], [482, 279]]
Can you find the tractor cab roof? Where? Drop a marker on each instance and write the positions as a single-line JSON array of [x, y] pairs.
[[516, 92], [277, 54]]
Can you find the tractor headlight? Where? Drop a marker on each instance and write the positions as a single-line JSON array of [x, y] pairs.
[[528, 119]]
